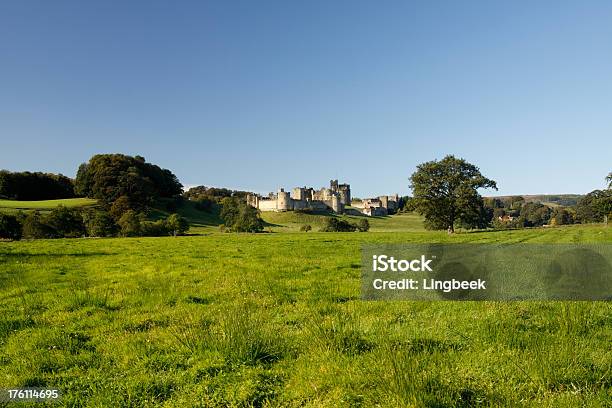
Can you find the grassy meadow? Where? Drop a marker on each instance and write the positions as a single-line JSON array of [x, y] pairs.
[[275, 320], [45, 205]]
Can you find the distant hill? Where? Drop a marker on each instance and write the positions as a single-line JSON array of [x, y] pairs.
[[553, 200]]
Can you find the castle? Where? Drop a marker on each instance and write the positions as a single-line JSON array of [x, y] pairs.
[[379, 206], [334, 198]]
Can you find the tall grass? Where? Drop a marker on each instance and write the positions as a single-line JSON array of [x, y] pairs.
[[276, 320]]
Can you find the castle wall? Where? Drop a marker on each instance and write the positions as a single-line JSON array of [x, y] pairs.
[[358, 204], [300, 204], [318, 206], [267, 205]]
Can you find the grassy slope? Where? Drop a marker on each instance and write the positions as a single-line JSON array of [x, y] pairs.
[[291, 221], [250, 320], [45, 205], [199, 221]]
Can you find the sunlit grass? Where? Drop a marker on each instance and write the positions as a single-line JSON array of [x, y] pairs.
[[46, 204], [277, 320]]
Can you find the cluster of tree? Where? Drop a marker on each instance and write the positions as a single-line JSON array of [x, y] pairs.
[[238, 216], [595, 206], [406, 204], [207, 198], [515, 212], [333, 224], [215, 193], [125, 182], [35, 186], [63, 222], [133, 224]]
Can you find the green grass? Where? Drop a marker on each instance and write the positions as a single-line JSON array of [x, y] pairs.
[[291, 221], [45, 205], [276, 320]]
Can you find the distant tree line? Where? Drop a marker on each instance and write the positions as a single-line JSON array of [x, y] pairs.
[[208, 198], [64, 222], [514, 212], [29, 186]]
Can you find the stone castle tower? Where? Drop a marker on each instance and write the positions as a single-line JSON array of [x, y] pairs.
[[283, 202], [342, 190]]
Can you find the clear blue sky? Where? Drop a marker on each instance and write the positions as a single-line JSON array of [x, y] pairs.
[[260, 94]]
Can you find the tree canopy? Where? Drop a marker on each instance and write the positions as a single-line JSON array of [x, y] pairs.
[[35, 186], [239, 216], [446, 192], [594, 206], [110, 176], [213, 193]]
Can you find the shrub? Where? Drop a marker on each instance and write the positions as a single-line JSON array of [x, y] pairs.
[[34, 227], [99, 224], [176, 225], [154, 228], [363, 225], [305, 228], [65, 222], [130, 224], [338, 225], [10, 227]]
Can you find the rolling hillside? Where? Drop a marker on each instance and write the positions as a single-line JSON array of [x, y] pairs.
[[45, 205], [291, 221]]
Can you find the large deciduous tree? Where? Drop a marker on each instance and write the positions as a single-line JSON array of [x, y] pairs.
[[446, 192]]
